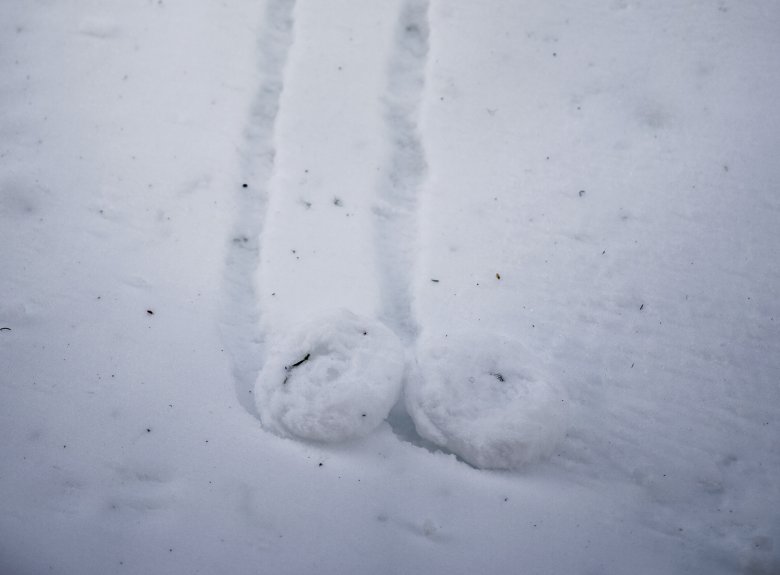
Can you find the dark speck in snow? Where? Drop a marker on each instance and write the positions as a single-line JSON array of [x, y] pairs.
[[337, 202], [434, 281], [148, 430], [244, 185], [320, 465], [498, 276], [582, 193], [641, 307], [149, 312]]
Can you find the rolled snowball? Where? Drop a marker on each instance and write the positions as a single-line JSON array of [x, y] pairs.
[[331, 379], [481, 397]]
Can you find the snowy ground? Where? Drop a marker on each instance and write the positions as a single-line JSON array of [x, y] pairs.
[[584, 197]]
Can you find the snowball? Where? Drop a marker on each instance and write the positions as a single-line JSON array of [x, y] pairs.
[[331, 379], [481, 397]]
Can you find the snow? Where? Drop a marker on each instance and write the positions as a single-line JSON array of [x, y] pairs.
[[483, 397], [331, 379], [580, 197]]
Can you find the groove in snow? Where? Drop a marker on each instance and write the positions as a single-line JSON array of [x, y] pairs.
[[241, 331], [397, 201]]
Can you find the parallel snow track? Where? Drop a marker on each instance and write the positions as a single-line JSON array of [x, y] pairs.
[[241, 325]]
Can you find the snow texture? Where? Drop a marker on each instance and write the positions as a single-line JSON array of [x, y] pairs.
[[188, 180], [483, 397], [331, 379]]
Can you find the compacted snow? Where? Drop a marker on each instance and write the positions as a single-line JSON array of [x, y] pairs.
[[482, 397], [334, 378], [551, 229]]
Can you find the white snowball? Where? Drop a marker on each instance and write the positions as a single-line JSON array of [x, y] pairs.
[[331, 379], [481, 397]]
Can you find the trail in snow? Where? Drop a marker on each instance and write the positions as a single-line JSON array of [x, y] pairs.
[[475, 388], [317, 258], [241, 329], [397, 203]]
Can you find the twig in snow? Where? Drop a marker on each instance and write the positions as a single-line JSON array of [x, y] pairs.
[[289, 368]]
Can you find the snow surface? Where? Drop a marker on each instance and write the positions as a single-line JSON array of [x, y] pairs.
[[185, 183]]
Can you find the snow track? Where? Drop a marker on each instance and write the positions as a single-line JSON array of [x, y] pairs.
[[484, 396], [344, 168], [314, 255], [397, 203], [241, 324]]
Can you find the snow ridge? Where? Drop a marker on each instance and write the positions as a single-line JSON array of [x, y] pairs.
[[397, 203], [241, 325]]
